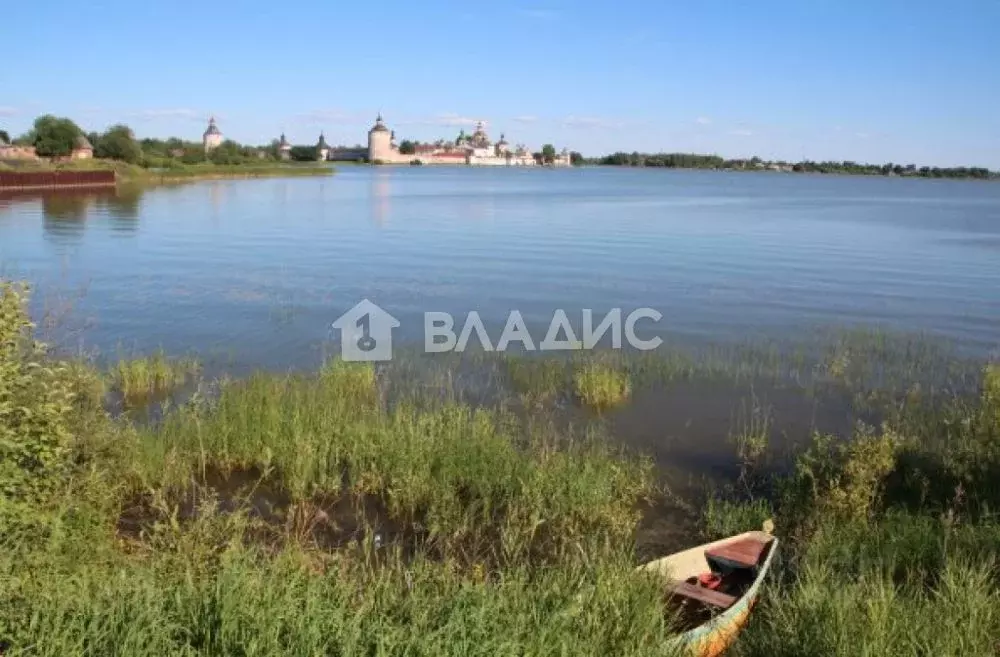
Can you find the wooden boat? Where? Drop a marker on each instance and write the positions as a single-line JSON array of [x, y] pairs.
[[713, 588]]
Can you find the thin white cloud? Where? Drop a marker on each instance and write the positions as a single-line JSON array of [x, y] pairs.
[[447, 119], [703, 120], [527, 118], [539, 14], [591, 122], [455, 120], [7, 110], [326, 116], [742, 132], [179, 113]]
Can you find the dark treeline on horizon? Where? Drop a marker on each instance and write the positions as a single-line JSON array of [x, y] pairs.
[[696, 161]]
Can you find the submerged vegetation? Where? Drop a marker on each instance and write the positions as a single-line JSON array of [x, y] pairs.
[[140, 378], [340, 512], [601, 387]]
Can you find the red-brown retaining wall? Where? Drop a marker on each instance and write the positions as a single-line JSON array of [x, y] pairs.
[[47, 179]]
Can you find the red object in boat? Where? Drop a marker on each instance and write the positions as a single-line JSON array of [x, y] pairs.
[[709, 580]]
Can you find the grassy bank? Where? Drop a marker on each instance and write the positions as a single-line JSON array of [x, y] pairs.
[[362, 511], [177, 172]]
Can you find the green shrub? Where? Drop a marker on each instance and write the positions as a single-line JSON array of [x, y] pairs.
[[844, 478], [35, 407]]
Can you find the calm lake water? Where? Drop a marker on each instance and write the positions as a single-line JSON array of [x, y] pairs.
[[255, 271]]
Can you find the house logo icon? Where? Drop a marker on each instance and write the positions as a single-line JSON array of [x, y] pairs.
[[366, 332]]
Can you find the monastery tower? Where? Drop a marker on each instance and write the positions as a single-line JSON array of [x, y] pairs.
[[212, 137], [379, 141]]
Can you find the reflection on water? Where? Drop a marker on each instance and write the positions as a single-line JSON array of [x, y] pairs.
[[66, 209], [66, 213], [122, 208], [380, 198]]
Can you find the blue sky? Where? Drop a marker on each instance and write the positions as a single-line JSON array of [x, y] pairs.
[[869, 80]]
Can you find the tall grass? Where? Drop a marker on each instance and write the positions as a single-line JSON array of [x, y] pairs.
[[463, 474], [139, 378]]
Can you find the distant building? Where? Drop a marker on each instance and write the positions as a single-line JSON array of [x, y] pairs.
[[284, 148], [212, 137], [475, 149], [322, 149], [562, 159], [380, 142], [12, 152], [82, 149]]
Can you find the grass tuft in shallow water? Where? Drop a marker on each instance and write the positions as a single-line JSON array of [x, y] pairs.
[[145, 376], [601, 387]]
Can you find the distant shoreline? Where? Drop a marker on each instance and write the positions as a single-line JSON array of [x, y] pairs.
[[717, 163], [843, 174], [132, 174]]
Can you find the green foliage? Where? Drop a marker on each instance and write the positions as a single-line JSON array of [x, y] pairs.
[[54, 136], [407, 147], [844, 478], [194, 156], [575, 158], [548, 153], [118, 143], [230, 152], [35, 407], [4, 137], [303, 153]]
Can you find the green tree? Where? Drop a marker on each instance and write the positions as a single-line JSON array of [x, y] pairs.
[[407, 147], [118, 143], [575, 158], [193, 156], [4, 137], [228, 152], [54, 136], [303, 153], [548, 153]]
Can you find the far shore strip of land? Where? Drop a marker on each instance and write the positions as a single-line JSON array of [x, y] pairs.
[[133, 174]]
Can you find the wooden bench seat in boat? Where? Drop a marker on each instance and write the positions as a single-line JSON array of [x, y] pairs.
[[706, 595], [745, 553]]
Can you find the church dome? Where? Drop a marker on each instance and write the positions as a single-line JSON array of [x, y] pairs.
[[212, 128], [81, 143], [379, 125]]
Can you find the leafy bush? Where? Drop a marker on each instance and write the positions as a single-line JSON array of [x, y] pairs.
[[844, 478], [35, 407]]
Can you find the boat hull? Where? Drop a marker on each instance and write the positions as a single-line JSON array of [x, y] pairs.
[[717, 635]]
